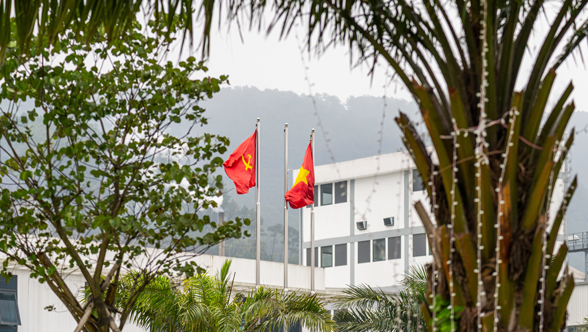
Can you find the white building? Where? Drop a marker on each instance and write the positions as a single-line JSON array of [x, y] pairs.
[[366, 228], [368, 232], [29, 306]]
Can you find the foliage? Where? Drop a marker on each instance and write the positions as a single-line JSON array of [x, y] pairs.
[[495, 162], [363, 308], [94, 176], [52, 19], [207, 303]]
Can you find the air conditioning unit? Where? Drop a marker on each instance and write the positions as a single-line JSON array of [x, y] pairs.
[[389, 221], [361, 225]]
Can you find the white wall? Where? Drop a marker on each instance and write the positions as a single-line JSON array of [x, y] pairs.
[[33, 296], [578, 305], [386, 201]]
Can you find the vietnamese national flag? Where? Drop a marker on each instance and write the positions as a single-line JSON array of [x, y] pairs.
[[240, 166], [302, 192]]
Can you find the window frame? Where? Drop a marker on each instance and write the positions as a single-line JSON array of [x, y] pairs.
[[422, 236], [316, 257], [344, 254], [392, 248], [11, 288], [316, 197], [379, 242], [360, 258], [337, 192], [417, 182], [325, 185], [323, 248]]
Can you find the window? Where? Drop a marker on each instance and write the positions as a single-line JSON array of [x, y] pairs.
[[341, 254], [326, 194], [363, 252], [394, 248], [296, 327], [419, 245], [315, 257], [417, 182], [379, 250], [316, 199], [327, 256], [341, 192], [389, 221], [9, 314], [316, 196]]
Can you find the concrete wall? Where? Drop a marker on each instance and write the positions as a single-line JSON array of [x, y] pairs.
[[578, 305], [33, 296], [378, 187]]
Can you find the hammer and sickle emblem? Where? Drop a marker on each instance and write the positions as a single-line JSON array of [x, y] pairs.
[[247, 164]]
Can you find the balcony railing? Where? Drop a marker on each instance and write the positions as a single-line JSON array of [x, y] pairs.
[[578, 242]]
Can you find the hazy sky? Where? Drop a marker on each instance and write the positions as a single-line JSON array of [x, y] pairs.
[[268, 63]]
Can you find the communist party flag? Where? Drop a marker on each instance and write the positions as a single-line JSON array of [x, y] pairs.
[[302, 192], [240, 166]]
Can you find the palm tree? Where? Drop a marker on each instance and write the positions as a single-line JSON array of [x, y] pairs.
[[495, 162], [208, 303], [363, 308]]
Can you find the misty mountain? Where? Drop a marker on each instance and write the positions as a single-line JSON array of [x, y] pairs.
[[344, 131]]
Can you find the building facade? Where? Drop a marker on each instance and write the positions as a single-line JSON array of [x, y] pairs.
[[26, 305], [367, 230]]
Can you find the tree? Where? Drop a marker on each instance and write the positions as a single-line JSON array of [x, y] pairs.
[[491, 174], [207, 303], [363, 308], [495, 163], [94, 176]]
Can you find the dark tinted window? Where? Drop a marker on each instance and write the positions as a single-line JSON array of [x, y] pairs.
[[417, 182], [316, 197], [419, 245], [341, 192], [10, 285], [8, 309], [379, 250], [315, 257], [327, 256], [394, 248], [8, 329], [341, 254], [363, 252], [327, 194], [297, 327], [9, 314]]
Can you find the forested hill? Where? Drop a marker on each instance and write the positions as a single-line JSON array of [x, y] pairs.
[[352, 129]]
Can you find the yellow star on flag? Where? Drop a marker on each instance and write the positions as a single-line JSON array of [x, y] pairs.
[[301, 176]]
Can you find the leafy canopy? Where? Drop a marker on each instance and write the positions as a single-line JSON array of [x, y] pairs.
[[93, 170], [210, 303]]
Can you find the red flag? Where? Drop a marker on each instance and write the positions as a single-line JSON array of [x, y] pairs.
[[240, 166], [302, 192]]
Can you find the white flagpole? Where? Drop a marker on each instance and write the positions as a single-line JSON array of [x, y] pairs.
[[312, 258], [221, 221], [285, 208], [258, 223]]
